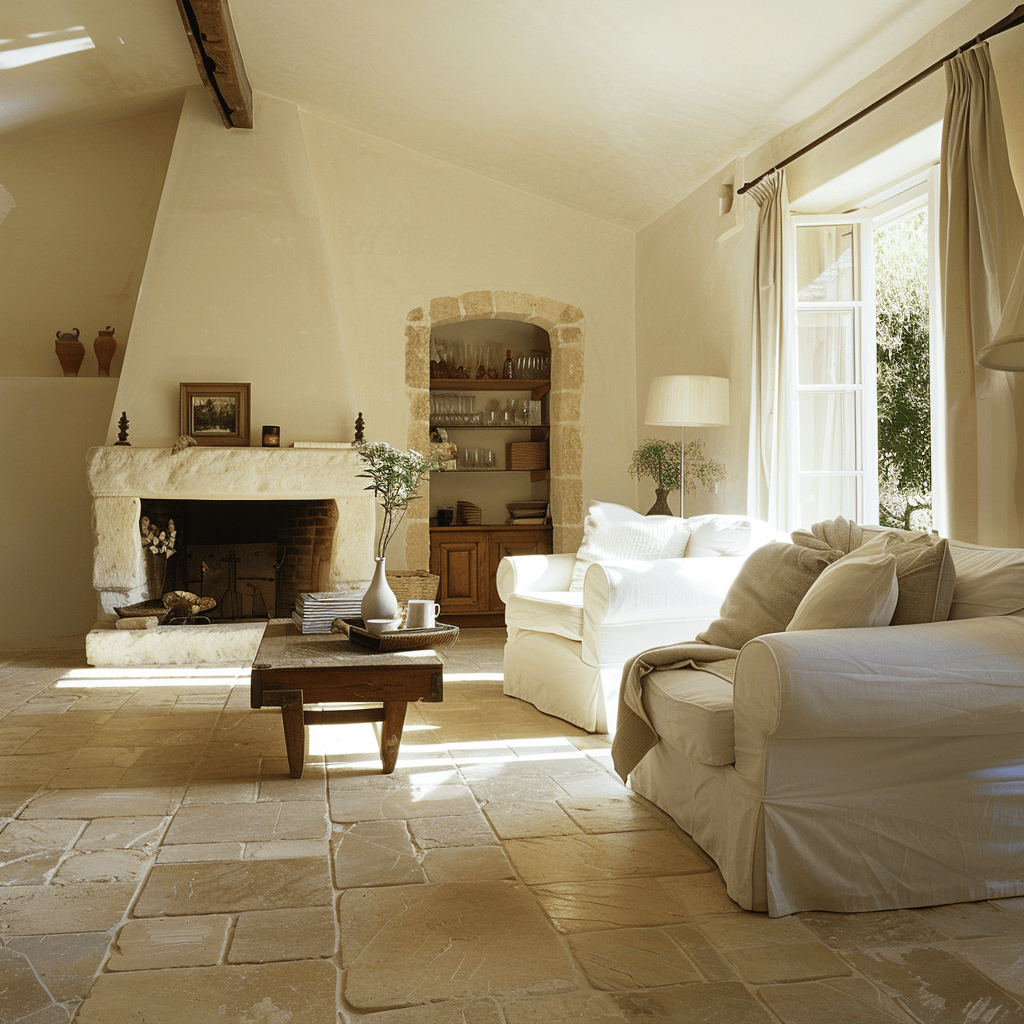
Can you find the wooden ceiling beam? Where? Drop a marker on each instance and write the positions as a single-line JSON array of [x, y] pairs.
[[219, 59]]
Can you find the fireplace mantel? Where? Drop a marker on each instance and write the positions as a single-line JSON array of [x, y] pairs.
[[121, 476]]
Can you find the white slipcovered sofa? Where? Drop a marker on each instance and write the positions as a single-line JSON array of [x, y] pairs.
[[848, 769], [636, 581]]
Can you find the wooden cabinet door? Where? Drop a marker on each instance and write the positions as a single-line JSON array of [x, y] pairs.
[[520, 542], [462, 566]]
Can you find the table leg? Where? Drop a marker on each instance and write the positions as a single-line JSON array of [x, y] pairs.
[[391, 733], [295, 731]]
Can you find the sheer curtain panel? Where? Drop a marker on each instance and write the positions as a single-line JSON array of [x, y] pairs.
[[982, 233], [773, 440]]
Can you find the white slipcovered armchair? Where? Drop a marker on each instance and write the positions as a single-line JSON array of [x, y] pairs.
[[637, 581]]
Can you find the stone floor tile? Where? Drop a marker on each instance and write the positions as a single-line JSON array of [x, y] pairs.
[[818, 1001], [467, 864], [248, 822], [60, 909], [409, 801], [529, 819], [729, 931], [452, 830], [618, 855], [104, 866], [169, 942], [28, 769], [281, 849], [451, 1011], [721, 1002], [871, 930], [1000, 958], [188, 854], [20, 838], [702, 894], [225, 887], [786, 961], [264, 936], [580, 1008], [312, 786], [141, 833], [31, 868], [13, 798], [62, 965], [591, 787], [965, 920], [302, 992], [631, 958], [934, 986], [415, 944], [98, 778], [600, 905], [114, 803], [1014, 906], [375, 853], [615, 814], [230, 791]]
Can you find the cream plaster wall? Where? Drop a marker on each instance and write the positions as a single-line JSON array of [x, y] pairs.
[[237, 285], [403, 229], [73, 249]]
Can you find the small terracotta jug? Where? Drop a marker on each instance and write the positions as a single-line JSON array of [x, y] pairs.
[[104, 346], [70, 352]]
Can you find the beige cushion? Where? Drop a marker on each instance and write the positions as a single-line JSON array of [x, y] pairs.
[[692, 711], [718, 535], [989, 581], [924, 571], [614, 533], [856, 591], [766, 593]]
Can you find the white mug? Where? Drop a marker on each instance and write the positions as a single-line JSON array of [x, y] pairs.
[[422, 614]]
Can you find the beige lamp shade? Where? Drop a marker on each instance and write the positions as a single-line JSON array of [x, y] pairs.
[[1006, 352], [688, 401]]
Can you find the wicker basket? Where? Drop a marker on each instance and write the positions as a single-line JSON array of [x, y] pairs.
[[413, 584], [526, 455]]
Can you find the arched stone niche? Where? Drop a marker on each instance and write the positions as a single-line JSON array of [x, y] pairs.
[[565, 326]]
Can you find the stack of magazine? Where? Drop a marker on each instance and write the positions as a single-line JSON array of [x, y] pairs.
[[314, 613], [527, 513]]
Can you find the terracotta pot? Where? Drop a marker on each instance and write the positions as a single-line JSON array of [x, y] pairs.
[[70, 352], [660, 507], [104, 346]]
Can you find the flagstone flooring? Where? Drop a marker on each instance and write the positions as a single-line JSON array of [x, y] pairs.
[[159, 866]]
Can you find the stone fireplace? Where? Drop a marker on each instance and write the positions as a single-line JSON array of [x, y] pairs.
[[334, 550]]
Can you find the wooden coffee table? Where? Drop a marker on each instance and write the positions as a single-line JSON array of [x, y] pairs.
[[291, 670]]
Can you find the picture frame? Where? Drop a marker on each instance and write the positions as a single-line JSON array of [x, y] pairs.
[[215, 413]]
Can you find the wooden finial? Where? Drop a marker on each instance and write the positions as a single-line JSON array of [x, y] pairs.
[[122, 433], [359, 429]]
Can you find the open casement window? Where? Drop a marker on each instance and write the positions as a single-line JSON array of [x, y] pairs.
[[837, 436]]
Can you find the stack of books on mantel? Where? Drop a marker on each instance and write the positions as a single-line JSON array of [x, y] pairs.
[[528, 513], [314, 613]]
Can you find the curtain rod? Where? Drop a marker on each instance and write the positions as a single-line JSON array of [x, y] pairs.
[[1010, 21]]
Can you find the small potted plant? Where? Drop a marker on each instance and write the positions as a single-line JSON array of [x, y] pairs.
[[663, 461], [395, 478]]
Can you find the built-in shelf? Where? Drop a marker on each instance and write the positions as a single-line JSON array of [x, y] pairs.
[[491, 426], [537, 388]]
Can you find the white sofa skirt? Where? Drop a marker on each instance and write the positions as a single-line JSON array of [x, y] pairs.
[[548, 671]]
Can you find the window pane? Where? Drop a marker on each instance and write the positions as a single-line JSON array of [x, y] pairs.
[[825, 497], [828, 432], [824, 258], [827, 347]]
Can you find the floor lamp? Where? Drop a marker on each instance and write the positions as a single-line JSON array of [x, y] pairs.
[[687, 401]]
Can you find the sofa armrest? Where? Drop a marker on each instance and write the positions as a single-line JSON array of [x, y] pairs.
[[522, 574], [957, 678], [666, 588]]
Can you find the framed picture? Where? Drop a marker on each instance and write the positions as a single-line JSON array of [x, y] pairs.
[[216, 414]]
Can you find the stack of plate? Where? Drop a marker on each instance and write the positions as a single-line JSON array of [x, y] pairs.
[[314, 613], [468, 514], [526, 509]]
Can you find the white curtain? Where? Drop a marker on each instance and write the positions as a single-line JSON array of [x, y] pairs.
[[982, 233], [772, 470]]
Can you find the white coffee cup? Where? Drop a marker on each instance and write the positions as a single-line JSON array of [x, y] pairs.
[[422, 615], [377, 626]]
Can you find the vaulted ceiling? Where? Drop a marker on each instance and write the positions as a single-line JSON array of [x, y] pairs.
[[616, 108]]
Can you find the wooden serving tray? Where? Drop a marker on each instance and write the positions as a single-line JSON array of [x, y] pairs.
[[440, 635]]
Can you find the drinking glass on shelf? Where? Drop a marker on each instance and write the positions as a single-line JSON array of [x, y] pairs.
[[488, 462]]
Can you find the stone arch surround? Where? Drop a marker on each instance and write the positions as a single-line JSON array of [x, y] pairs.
[[565, 326]]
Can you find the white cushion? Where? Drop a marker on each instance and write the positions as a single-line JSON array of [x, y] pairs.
[[857, 590], [692, 711], [558, 612], [718, 535], [614, 533], [989, 581]]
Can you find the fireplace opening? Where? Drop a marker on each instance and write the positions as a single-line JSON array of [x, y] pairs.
[[252, 557]]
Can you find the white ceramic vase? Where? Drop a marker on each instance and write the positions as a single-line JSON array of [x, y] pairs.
[[379, 601]]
